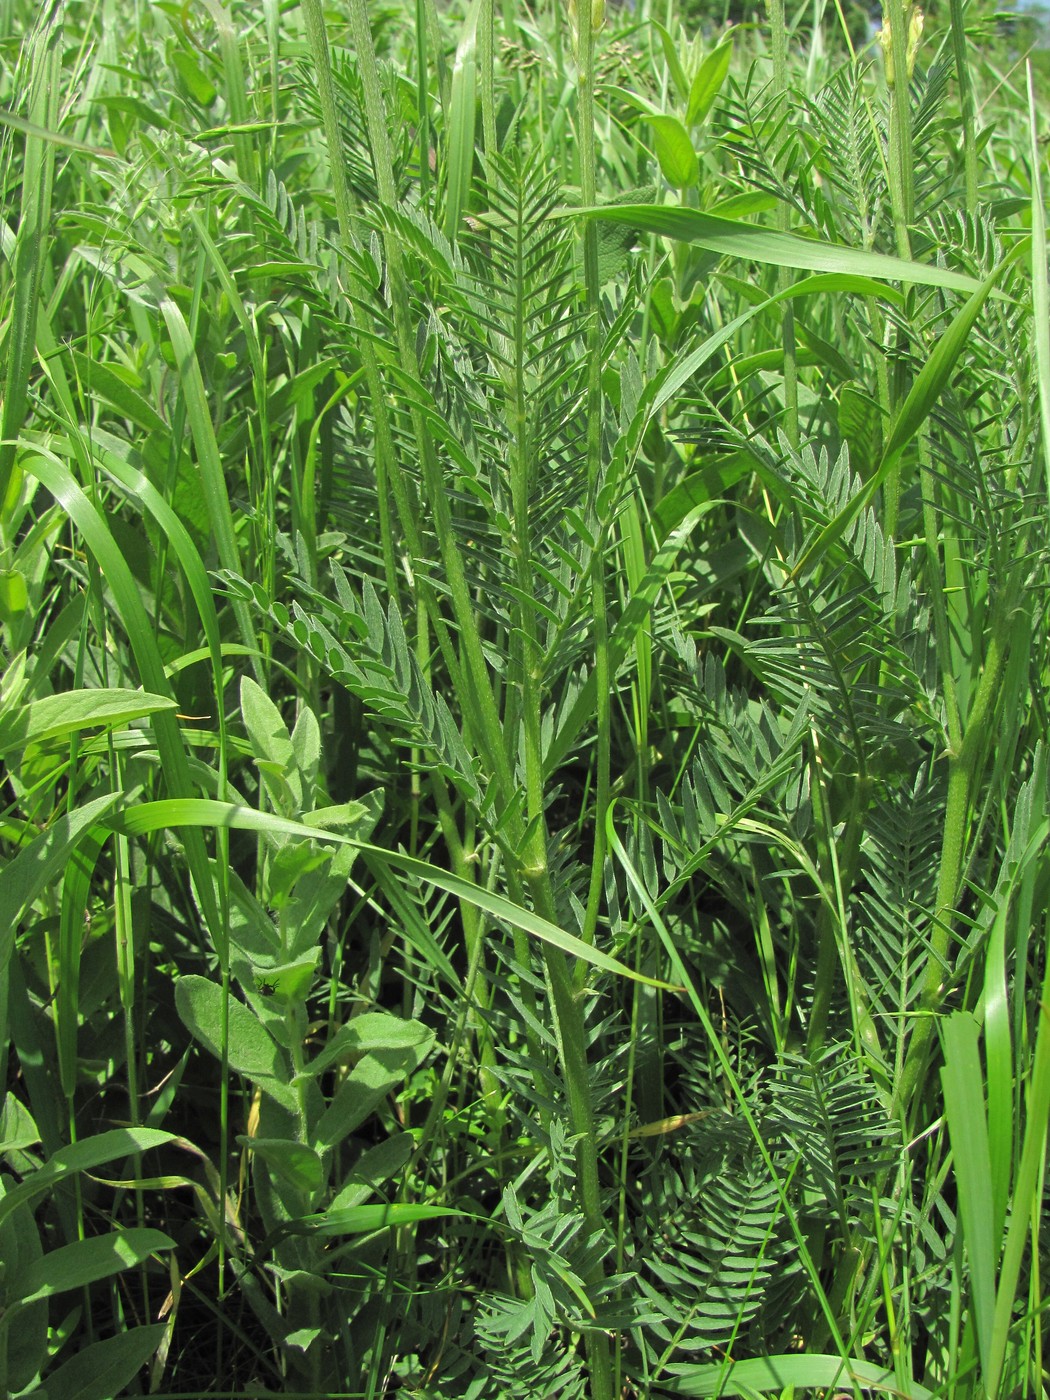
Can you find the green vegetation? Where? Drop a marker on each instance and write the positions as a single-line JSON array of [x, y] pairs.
[[524, 584]]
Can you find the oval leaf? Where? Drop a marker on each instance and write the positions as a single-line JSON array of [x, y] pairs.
[[252, 1052], [708, 82], [87, 1261], [104, 1369], [295, 1163], [674, 151], [374, 1030], [56, 716]]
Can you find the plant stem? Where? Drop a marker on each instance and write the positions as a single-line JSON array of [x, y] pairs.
[[570, 1017], [778, 37], [966, 102], [962, 768]]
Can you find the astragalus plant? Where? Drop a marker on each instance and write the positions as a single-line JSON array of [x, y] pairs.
[[524, 599]]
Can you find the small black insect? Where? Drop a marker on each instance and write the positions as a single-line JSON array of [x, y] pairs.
[[266, 989]]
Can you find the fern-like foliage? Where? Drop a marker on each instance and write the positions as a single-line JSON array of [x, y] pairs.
[[895, 896], [710, 1240], [365, 649], [835, 628], [845, 134], [356, 151], [828, 1113]]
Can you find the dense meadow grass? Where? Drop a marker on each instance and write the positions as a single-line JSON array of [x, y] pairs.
[[526, 804]]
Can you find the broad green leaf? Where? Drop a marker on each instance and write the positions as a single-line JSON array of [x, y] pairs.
[[102, 382], [294, 1162], [17, 1129], [780, 1373], [14, 595], [708, 82], [82, 1156], [88, 1260], [363, 1090], [155, 816], [252, 1051], [306, 744], [674, 63], [963, 1081], [58, 716], [372, 1169], [674, 151], [709, 484], [459, 142], [103, 1369], [21, 1251], [358, 1220], [197, 83], [372, 1030], [272, 744], [288, 981], [750, 243]]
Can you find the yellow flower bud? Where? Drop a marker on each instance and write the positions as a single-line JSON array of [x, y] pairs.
[[886, 41], [916, 21]]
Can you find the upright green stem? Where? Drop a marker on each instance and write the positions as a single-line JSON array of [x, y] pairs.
[[577, 1078], [43, 56], [599, 607], [966, 102], [486, 63], [778, 44], [962, 770], [386, 476], [897, 17], [529, 835]]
